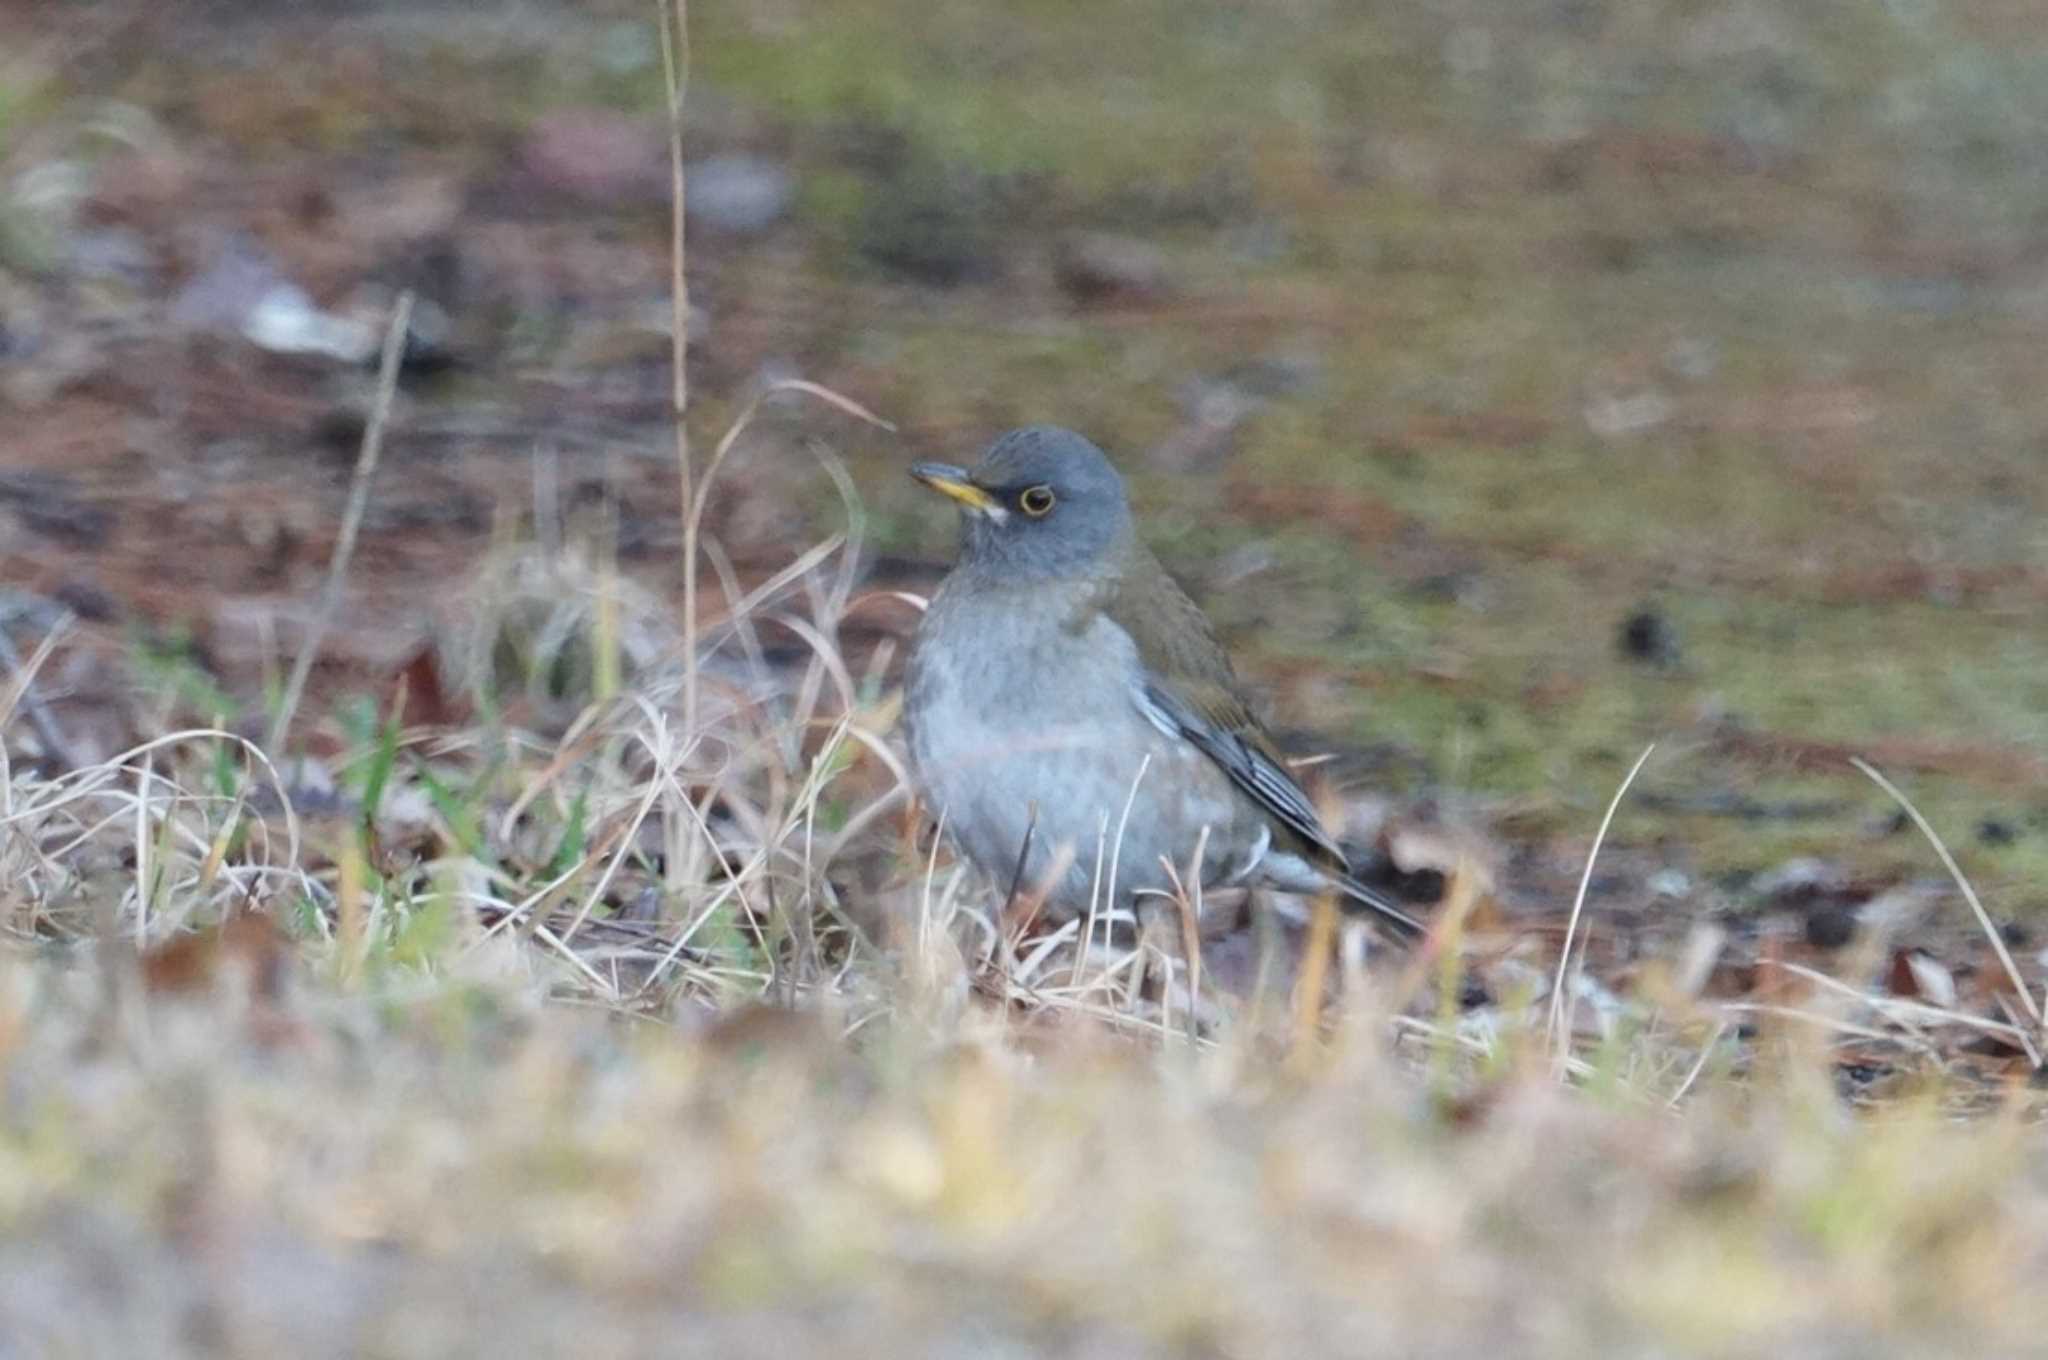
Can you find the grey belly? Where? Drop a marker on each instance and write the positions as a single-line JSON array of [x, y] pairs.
[[1068, 785]]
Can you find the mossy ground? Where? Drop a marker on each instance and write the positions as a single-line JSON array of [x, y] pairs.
[[1797, 236]]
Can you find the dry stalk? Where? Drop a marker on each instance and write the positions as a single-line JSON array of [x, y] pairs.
[[351, 522], [1563, 1009], [1955, 872]]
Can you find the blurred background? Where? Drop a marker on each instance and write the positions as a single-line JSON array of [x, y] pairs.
[[1513, 383]]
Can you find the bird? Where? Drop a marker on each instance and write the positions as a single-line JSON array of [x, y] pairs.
[[1072, 720]]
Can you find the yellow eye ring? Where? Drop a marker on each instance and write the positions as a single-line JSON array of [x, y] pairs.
[[1036, 501]]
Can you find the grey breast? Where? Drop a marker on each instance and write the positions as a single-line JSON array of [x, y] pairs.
[[1010, 707]]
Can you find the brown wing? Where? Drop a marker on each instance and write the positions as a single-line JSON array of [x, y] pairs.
[[1190, 682], [1191, 688]]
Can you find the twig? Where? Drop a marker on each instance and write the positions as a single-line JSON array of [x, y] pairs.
[[2026, 1043], [1562, 1011], [1311, 980], [1699, 1065], [1969, 893], [1094, 900], [351, 521], [55, 748], [1187, 900], [924, 902], [1448, 933], [1023, 861], [1123, 822], [143, 892], [675, 70], [693, 522]]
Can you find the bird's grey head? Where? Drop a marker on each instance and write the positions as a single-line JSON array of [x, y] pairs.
[[1042, 503]]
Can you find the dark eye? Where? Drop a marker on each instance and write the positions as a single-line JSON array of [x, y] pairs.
[[1036, 501]]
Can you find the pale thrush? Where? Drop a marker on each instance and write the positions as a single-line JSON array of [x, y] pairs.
[[1071, 716]]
